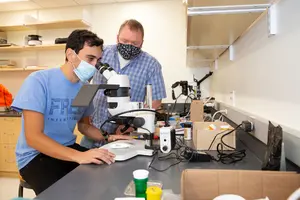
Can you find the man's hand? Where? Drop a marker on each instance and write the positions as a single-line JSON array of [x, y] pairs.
[[155, 104], [118, 131], [86, 128], [96, 156], [113, 138]]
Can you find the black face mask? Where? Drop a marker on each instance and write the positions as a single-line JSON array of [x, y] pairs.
[[128, 51]]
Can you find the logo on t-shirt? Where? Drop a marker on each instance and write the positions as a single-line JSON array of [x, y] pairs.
[[61, 110]]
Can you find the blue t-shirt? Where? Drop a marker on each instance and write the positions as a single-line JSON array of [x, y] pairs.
[[49, 92]]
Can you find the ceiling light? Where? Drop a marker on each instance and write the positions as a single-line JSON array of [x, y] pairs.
[[9, 1], [225, 12], [230, 7], [208, 47], [233, 9]]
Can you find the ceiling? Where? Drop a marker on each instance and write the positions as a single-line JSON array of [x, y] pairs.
[[209, 35], [40, 4]]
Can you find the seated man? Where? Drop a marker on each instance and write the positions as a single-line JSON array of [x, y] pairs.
[[46, 149]]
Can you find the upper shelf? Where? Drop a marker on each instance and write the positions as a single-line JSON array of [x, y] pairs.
[[47, 25], [32, 48], [21, 69]]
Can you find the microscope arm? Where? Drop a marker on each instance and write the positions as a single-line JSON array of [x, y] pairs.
[[204, 78]]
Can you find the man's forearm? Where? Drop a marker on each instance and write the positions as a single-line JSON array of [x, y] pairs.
[[50, 147], [90, 131], [156, 104]]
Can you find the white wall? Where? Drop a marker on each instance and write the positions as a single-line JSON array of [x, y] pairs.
[[265, 72], [165, 35]]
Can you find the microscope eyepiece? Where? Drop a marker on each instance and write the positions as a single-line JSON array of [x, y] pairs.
[[102, 67]]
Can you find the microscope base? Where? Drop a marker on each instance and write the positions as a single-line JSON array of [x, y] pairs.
[[127, 149]]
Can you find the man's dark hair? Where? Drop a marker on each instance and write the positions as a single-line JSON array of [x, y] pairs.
[[78, 38]]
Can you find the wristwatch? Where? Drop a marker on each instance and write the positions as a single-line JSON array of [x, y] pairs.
[[105, 135]]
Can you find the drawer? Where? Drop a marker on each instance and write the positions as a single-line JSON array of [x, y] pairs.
[[10, 128], [8, 158], [9, 137]]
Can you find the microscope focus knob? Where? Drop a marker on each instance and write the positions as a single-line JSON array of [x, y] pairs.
[[165, 148]]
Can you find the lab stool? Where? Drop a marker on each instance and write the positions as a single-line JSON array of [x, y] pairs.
[[23, 184]]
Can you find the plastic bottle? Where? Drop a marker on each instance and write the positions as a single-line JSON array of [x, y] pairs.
[[187, 131], [154, 193]]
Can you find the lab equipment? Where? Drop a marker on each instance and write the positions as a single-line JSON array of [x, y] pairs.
[[140, 178], [123, 111], [198, 91], [187, 131], [185, 87], [167, 139]]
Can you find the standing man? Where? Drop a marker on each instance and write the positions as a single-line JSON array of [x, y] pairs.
[[127, 57], [46, 149]]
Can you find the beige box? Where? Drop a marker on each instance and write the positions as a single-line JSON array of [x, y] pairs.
[[197, 184], [197, 110], [203, 138]]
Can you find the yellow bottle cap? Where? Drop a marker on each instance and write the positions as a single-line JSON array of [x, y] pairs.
[[154, 193]]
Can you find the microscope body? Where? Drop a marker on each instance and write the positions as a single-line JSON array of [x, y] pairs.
[[119, 101]]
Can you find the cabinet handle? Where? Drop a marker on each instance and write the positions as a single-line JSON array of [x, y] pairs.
[[9, 134], [8, 119], [9, 147], [10, 161]]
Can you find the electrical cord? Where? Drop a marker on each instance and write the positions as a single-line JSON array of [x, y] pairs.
[[216, 137], [215, 114], [161, 170], [188, 97], [227, 158], [173, 108], [180, 155]]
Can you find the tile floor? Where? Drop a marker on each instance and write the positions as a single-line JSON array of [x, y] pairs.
[[9, 189]]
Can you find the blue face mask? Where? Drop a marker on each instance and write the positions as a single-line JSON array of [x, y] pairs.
[[84, 71]]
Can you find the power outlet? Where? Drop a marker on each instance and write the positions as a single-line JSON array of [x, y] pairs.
[[252, 120], [232, 98], [225, 111]]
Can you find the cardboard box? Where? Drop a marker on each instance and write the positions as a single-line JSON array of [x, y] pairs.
[[197, 110], [203, 137], [199, 184]]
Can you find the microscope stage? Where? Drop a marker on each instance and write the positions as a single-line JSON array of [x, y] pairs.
[[126, 149]]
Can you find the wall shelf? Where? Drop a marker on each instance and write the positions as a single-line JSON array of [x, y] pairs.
[[21, 69], [32, 48], [47, 25]]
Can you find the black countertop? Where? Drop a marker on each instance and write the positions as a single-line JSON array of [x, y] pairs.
[[107, 182]]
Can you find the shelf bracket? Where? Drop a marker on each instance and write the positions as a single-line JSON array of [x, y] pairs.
[[231, 52], [216, 64], [272, 20]]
